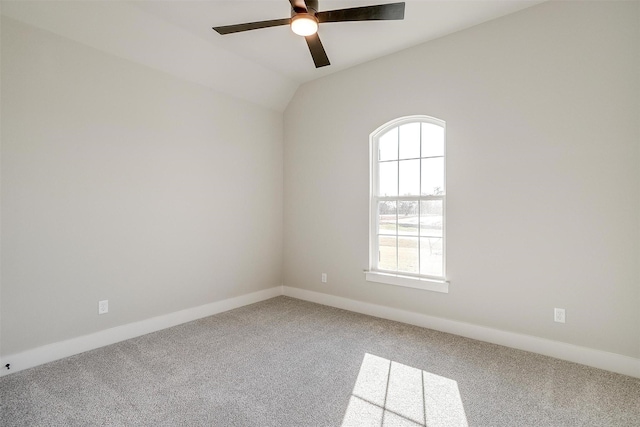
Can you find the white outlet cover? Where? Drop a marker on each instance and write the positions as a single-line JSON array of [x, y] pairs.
[[103, 306]]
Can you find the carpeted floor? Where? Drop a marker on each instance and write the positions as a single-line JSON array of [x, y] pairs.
[[286, 362]]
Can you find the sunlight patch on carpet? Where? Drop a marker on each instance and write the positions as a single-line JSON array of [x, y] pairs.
[[388, 393]]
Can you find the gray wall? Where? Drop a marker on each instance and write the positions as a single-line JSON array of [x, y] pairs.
[[123, 183], [542, 110]]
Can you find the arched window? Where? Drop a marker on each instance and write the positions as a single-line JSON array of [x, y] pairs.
[[407, 211]]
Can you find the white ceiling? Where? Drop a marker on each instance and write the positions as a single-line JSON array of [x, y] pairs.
[[264, 66]]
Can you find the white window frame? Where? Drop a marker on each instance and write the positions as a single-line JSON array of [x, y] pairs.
[[419, 281]]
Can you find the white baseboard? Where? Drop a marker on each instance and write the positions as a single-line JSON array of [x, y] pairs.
[[49, 353], [596, 358], [587, 356]]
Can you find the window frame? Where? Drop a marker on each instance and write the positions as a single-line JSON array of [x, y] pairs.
[[399, 278]]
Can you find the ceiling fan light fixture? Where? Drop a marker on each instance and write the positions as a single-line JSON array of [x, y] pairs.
[[305, 18], [304, 24]]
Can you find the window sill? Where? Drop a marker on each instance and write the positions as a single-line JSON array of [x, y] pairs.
[[408, 281]]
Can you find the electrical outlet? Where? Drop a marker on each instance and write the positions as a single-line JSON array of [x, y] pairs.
[[559, 315], [324, 277], [103, 306]]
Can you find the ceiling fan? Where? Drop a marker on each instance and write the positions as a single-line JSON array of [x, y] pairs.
[[305, 19]]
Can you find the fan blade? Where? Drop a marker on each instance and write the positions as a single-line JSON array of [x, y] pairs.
[[317, 51], [228, 29], [380, 12], [298, 5]]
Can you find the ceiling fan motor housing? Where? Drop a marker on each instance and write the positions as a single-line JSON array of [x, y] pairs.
[[312, 8]]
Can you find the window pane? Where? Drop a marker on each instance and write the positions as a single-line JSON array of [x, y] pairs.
[[388, 145], [409, 177], [408, 218], [408, 254], [387, 255], [410, 141], [431, 218], [431, 256], [432, 176], [388, 184], [387, 218], [432, 140]]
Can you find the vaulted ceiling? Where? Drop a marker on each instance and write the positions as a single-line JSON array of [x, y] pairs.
[[263, 66]]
